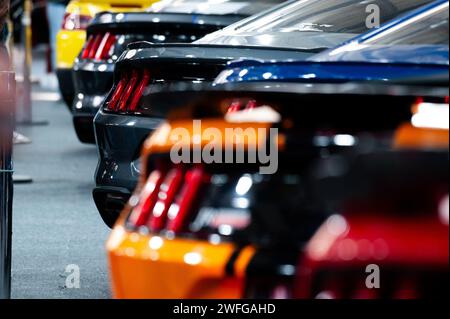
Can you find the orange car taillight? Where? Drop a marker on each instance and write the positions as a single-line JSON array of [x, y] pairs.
[[128, 92], [179, 210], [240, 105], [166, 194], [167, 199], [75, 21], [98, 47], [141, 213]]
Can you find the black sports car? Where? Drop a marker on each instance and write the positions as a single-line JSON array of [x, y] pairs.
[[180, 21], [291, 31]]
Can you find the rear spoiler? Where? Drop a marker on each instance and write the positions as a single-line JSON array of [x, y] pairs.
[[107, 21], [139, 53]]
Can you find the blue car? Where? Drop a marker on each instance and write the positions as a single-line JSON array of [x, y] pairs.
[[412, 48]]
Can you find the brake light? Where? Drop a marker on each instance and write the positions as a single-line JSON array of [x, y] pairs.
[[166, 195], [75, 21], [179, 211], [105, 46], [99, 46], [88, 47], [241, 105], [139, 91], [114, 100], [167, 199], [128, 92], [140, 214]]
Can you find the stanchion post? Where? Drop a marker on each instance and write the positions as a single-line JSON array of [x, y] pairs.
[[24, 111], [7, 95]]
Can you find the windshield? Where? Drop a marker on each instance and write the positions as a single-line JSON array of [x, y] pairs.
[[333, 16], [428, 28]]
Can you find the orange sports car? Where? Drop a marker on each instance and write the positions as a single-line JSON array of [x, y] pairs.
[[227, 205]]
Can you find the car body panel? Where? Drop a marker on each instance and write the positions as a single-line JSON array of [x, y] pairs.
[[178, 268], [331, 72], [70, 42], [165, 22]]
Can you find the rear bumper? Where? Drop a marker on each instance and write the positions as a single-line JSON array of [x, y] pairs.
[[66, 85], [119, 140], [92, 82], [84, 128], [175, 269]]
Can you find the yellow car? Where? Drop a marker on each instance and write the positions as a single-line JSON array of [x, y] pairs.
[[71, 37]]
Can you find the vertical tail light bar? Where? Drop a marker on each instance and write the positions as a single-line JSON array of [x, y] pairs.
[[114, 100], [179, 211], [95, 44], [139, 91], [166, 194], [88, 47], [128, 91], [105, 46], [142, 211]]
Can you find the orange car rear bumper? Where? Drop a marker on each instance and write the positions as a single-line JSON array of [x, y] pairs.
[[144, 266]]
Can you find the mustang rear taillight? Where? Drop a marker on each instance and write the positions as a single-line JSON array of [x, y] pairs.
[[128, 92], [99, 47], [129, 89], [132, 106], [241, 105], [141, 213], [114, 100], [179, 211], [75, 21], [166, 194], [168, 199]]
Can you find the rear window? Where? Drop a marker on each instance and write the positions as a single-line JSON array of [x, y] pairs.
[[336, 16], [428, 28]]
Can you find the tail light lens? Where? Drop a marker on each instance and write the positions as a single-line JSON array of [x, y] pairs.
[[242, 105], [75, 21], [179, 210], [128, 92], [99, 47], [166, 194], [168, 198]]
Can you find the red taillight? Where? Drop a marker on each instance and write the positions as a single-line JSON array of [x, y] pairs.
[[141, 213], [179, 211], [128, 92], [99, 46], [166, 194], [95, 44], [139, 91], [114, 100], [75, 21], [105, 46], [241, 105], [88, 47], [166, 201], [235, 106]]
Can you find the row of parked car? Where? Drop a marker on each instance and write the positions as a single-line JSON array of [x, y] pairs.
[[351, 99]]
